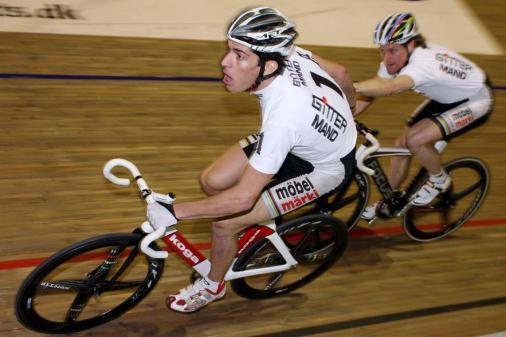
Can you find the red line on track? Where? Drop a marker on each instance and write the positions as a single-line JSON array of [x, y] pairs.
[[356, 232]]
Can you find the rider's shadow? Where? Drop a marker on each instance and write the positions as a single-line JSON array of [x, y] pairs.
[[158, 321], [368, 251]]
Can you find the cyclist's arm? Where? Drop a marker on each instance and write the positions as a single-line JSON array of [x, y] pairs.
[[341, 76], [363, 102], [239, 198], [378, 86]]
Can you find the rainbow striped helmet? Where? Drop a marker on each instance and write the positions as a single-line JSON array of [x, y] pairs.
[[397, 28]]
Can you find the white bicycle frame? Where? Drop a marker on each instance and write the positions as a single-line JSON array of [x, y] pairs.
[[183, 248], [374, 150]]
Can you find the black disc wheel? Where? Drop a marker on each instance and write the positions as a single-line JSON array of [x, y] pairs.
[[87, 284], [315, 241], [450, 210]]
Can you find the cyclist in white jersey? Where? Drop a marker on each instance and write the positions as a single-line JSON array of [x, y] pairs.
[[459, 98], [304, 148]]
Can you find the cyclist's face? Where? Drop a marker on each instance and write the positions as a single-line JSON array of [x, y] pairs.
[[394, 56], [240, 67]]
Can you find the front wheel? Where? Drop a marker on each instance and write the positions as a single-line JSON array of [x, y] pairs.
[[315, 241], [87, 284], [451, 209]]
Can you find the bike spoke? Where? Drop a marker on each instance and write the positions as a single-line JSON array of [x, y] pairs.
[[268, 258], [318, 255], [101, 271], [274, 280], [121, 270], [466, 191], [304, 242], [445, 220], [78, 305], [112, 286], [64, 285]]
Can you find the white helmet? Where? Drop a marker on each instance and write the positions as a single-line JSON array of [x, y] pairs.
[[263, 29], [397, 28]]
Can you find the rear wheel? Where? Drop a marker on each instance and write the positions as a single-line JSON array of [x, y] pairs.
[[87, 284], [315, 241], [450, 210]]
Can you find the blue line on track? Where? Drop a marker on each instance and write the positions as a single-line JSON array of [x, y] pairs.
[[129, 78], [112, 78]]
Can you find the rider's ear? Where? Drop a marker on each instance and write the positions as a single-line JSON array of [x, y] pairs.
[[411, 46], [270, 67]]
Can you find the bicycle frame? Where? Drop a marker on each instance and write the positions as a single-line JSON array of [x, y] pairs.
[[367, 161], [188, 252], [193, 257]]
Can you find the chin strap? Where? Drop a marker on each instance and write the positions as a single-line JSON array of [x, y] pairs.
[[261, 77]]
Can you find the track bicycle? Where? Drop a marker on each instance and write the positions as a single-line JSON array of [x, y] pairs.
[[449, 211], [97, 280]]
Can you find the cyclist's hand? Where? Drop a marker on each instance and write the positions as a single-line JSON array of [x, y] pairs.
[[161, 214]]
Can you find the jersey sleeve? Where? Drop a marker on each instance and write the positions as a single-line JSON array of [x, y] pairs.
[[272, 148], [419, 71]]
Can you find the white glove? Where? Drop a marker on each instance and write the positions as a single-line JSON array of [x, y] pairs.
[[161, 215]]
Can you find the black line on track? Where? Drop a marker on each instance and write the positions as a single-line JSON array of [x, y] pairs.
[[388, 318]]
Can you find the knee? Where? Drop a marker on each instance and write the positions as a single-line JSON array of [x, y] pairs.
[[414, 139], [401, 141], [208, 182], [221, 229]]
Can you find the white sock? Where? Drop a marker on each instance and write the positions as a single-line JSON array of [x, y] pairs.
[[439, 178], [212, 285]]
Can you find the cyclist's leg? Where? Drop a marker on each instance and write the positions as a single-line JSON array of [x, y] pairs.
[[224, 238], [420, 140], [448, 123], [399, 165], [224, 171], [287, 194], [467, 116], [308, 186]]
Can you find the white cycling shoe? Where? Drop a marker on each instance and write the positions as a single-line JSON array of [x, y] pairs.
[[429, 191], [369, 212], [195, 296]]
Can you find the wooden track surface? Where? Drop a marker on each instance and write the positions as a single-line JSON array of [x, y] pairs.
[[56, 134]]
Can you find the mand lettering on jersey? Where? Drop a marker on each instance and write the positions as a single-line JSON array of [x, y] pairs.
[[453, 66], [462, 117], [295, 193], [295, 73], [328, 121]]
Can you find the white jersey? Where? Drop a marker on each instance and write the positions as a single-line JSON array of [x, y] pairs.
[[304, 112], [441, 74]]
